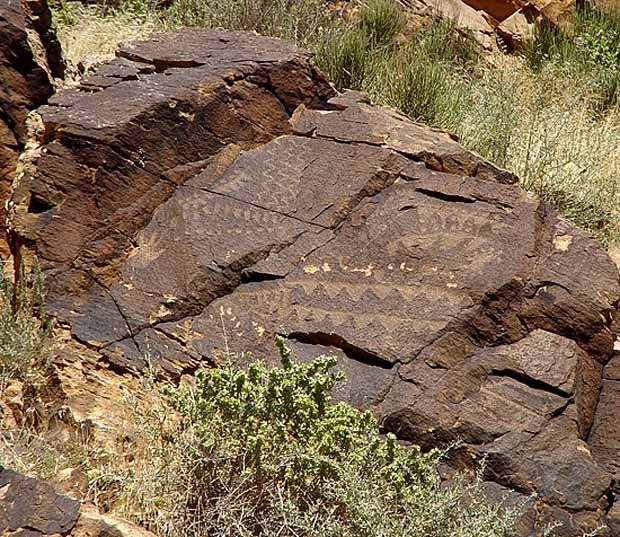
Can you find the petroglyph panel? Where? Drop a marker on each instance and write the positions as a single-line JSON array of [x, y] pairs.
[[195, 249], [317, 181], [196, 227], [391, 298]]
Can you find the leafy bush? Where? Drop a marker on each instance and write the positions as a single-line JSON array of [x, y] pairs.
[[264, 451], [24, 327]]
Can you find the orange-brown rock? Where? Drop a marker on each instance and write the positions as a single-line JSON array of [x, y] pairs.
[[206, 191], [513, 21], [553, 11]]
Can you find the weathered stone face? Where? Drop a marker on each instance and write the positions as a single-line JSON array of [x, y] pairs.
[[184, 205], [28, 504], [29, 59]]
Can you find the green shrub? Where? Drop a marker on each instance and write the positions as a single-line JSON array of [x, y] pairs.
[[24, 327], [265, 452]]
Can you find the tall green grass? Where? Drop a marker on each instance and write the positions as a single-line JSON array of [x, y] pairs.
[[424, 77], [589, 52], [543, 128]]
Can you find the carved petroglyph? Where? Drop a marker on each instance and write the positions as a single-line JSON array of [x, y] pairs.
[[451, 299]]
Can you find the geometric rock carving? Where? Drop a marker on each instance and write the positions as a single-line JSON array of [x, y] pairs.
[[206, 191]]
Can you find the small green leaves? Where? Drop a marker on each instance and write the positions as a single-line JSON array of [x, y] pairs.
[[266, 452]]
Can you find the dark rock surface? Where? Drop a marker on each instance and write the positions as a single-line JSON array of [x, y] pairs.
[[29, 60], [32, 508], [199, 195]]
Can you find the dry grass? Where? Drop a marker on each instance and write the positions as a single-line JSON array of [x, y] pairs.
[[541, 127], [90, 36]]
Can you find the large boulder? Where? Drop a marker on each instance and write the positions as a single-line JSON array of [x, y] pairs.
[[206, 191], [30, 60]]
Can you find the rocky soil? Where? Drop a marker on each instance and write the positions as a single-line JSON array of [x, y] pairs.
[[206, 191]]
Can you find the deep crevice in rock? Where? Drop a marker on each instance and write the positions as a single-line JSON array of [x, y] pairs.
[[252, 276], [159, 65], [38, 205], [530, 382], [334, 340], [451, 198]]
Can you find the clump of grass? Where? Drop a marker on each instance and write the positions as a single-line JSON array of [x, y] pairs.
[[424, 78], [39, 456], [345, 58], [442, 41], [24, 327], [422, 89], [589, 52], [380, 21]]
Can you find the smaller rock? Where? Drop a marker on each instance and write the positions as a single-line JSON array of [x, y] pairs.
[[31, 508], [29, 504], [94, 524]]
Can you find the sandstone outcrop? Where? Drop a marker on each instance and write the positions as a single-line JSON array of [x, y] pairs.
[[30, 59], [206, 191], [513, 21], [31, 508]]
